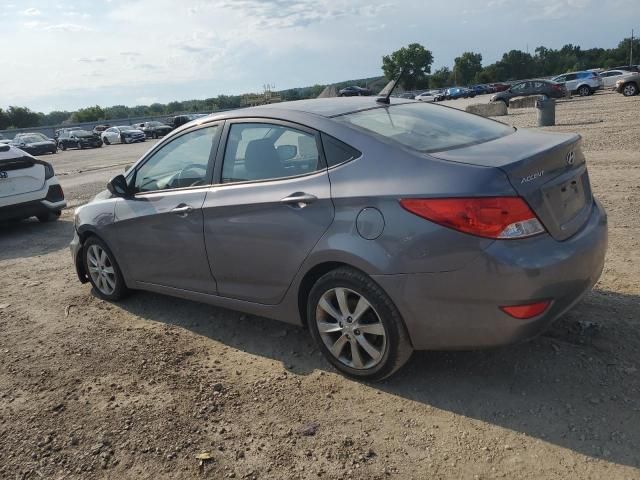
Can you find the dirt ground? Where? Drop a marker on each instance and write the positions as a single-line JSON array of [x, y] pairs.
[[137, 389]]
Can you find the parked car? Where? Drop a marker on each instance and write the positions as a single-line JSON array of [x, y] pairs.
[[531, 87], [481, 89], [354, 91], [627, 68], [629, 84], [583, 83], [500, 87], [122, 134], [59, 131], [610, 77], [28, 187], [100, 128], [78, 139], [35, 143], [179, 120], [431, 96], [408, 95], [454, 93], [154, 129], [382, 228]]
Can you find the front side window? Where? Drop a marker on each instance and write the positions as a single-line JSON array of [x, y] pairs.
[[426, 127], [184, 162], [518, 87], [262, 151]]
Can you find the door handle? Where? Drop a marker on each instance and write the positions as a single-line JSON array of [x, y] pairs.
[[299, 199], [182, 210]]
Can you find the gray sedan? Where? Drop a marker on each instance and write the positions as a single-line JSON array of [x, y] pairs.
[[381, 228], [531, 87]]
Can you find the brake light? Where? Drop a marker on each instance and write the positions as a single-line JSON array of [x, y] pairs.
[[524, 312], [489, 217]]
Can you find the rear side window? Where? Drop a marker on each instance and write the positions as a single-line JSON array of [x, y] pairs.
[[426, 128], [337, 152]]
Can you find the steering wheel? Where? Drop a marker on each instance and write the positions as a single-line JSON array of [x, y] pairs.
[[191, 166]]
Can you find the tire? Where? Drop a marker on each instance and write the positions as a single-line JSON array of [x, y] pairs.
[[584, 91], [155, 135], [49, 216], [106, 141], [79, 146], [122, 139], [387, 337], [629, 89], [63, 146], [103, 272]]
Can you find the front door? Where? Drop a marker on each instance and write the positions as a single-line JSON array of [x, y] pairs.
[[271, 205], [159, 232]]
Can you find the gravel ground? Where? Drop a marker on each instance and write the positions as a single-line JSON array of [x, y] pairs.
[[137, 389]]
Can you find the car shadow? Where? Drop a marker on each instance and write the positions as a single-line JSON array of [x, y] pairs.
[[30, 238], [576, 386]]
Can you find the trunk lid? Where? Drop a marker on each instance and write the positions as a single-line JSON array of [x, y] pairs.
[[22, 174], [547, 169]]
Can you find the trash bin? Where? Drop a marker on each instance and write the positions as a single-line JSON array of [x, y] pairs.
[[546, 111]]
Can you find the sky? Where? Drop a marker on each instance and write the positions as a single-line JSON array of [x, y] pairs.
[[63, 55]]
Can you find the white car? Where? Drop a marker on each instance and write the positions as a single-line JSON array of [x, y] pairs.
[[122, 134], [583, 83], [610, 77], [28, 187], [426, 97]]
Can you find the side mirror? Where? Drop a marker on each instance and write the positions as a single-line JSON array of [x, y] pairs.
[[118, 186], [287, 152]]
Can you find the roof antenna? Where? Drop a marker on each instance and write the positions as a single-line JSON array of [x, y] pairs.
[[388, 90]]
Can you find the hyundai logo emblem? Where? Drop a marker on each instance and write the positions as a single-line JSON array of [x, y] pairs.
[[571, 157]]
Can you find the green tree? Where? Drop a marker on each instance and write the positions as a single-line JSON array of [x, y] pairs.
[[414, 61], [4, 120], [22, 117], [441, 78], [89, 114], [467, 66], [55, 118]]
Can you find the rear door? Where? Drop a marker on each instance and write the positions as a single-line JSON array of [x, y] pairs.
[[270, 207]]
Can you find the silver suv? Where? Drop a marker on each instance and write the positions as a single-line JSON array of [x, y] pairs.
[[583, 83]]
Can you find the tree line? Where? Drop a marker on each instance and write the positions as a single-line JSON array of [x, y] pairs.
[[414, 60]]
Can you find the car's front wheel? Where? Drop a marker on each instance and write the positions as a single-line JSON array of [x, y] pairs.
[[102, 268], [106, 141], [357, 326], [584, 91], [629, 90]]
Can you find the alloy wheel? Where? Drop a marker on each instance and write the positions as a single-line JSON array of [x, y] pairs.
[[629, 90], [350, 328], [101, 269]]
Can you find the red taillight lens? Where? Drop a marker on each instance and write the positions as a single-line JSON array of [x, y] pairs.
[[524, 312], [490, 217]]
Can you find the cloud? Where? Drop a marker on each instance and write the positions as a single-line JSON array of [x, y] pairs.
[[31, 12], [67, 27], [92, 59]]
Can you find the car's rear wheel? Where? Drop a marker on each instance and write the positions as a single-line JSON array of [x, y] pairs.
[[106, 141], [49, 216], [629, 90], [104, 274], [357, 326], [63, 146], [584, 91]]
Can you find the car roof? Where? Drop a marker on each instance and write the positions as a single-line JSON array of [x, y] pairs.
[[324, 107]]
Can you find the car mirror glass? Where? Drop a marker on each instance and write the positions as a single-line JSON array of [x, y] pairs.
[[287, 152], [118, 186]]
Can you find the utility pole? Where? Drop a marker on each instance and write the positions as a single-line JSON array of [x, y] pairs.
[[631, 49]]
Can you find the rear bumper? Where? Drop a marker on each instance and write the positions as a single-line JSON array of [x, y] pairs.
[[460, 309], [53, 202]]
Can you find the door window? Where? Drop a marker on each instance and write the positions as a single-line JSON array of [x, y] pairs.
[[519, 87], [184, 162], [261, 151], [337, 152]]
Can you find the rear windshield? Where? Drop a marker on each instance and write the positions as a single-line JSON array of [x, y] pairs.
[[426, 128]]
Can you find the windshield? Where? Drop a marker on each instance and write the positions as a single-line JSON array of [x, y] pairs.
[[32, 138], [426, 128], [82, 133]]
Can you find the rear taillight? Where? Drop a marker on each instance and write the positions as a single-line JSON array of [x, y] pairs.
[[524, 312], [489, 217]]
